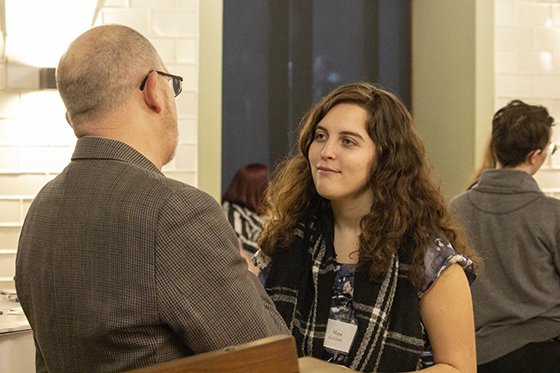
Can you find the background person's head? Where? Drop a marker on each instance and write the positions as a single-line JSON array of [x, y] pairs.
[[99, 79], [520, 134], [248, 188]]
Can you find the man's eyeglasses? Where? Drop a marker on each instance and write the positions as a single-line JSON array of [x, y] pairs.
[[552, 148], [175, 81]]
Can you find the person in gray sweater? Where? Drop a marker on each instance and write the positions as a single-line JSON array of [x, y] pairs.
[[516, 230]]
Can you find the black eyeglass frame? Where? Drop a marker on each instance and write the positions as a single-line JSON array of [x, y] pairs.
[[174, 77], [552, 147]]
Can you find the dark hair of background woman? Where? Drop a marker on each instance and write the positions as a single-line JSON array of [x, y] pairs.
[[407, 204], [248, 186]]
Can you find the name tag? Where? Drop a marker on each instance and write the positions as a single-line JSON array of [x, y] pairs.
[[339, 335]]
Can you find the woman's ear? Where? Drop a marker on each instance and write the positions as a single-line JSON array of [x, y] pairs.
[[150, 92]]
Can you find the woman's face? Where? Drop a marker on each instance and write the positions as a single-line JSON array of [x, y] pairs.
[[341, 154]]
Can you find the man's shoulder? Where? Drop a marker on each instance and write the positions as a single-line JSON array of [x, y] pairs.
[[149, 178], [118, 177], [177, 197], [181, 191]]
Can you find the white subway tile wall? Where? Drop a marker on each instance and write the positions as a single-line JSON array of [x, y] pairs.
[[512, 38], [115, 3], [186, 50], [527, 66], [165, 48], [187, 104], [10, 211], [152, 4], [22, 78], [191, 5], [505, 13], [9, 104], [36, 142], [2, 71], [174, 23], [7, 259], [9, 158], [188, 131], [138, 19]]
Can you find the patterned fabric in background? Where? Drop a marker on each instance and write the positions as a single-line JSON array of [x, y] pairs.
[[246, 223]]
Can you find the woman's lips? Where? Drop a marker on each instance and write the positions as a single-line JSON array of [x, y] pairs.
[[327, 170]]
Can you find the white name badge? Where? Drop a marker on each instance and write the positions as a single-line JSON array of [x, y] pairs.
[[339, 335]]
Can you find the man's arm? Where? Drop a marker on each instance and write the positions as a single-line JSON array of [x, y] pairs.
[[205, 292]]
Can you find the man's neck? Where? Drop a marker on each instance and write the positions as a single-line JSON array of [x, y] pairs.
[[135, 133]]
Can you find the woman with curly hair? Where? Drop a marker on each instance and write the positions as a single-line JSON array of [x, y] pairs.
[[361, 256]]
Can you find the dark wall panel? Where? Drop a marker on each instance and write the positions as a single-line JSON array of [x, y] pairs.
[[282, 56], [245, 89]]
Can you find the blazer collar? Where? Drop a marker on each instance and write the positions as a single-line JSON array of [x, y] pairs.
[[94, 147]]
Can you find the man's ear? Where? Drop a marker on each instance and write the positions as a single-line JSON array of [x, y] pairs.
[[532, 157], [150, 92]]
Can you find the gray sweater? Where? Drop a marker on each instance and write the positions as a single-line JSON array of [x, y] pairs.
[[516, 230]]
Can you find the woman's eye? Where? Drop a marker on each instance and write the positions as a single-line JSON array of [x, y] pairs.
[[319, 136], [348, 142]]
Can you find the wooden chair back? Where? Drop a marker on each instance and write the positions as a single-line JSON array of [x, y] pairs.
[[269, 355]]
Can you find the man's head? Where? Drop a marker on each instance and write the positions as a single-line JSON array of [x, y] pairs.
[[99, 79], [101, 68], [520, 134]]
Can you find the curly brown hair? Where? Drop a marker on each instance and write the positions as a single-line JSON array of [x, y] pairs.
[[407, 204]]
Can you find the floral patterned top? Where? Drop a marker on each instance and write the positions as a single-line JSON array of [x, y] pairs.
[[439, 257]]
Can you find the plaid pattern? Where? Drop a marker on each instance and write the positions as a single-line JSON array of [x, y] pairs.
[[247, 224], [389, 336], [119, 267]]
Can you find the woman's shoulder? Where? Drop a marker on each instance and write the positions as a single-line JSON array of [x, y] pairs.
[[439, 257]]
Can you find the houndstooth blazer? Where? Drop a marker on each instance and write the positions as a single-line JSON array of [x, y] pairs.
[[120, 267]]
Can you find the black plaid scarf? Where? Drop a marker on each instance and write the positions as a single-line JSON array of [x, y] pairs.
[[300, 282]]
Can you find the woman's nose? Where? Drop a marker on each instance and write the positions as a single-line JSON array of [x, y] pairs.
[[328, 151]]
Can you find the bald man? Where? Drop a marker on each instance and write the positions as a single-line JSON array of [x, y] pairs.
[[119, 267]]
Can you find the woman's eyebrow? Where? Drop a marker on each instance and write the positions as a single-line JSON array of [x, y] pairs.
[[350, 133], [344, 133]]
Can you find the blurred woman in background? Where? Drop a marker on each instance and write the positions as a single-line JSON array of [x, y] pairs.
[[244, 204]]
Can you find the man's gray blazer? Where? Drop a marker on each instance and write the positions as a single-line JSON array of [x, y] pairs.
[[119, 267]]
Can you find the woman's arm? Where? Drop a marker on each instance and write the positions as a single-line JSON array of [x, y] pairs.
[[447, 313]]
